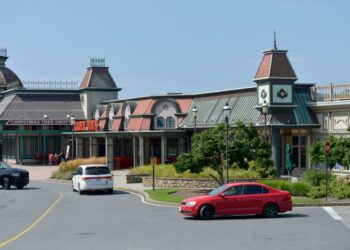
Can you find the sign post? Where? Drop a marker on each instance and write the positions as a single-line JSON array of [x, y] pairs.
[[327, 150]]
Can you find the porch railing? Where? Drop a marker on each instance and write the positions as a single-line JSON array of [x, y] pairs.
[[333, 92]]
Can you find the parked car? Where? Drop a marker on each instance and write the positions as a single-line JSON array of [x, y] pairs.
[[92, 178], [241, 198], [13, 176]]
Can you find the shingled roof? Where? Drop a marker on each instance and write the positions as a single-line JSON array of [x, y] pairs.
[[98, 76], [32, 106], [275, 64]]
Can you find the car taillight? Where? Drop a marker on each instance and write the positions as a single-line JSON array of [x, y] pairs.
[[94, 178]]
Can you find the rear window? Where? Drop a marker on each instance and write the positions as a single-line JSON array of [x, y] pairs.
[[97, 171]]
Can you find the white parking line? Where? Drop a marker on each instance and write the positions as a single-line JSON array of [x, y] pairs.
[[332, 213]]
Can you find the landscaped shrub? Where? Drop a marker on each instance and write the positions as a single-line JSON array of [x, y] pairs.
[[340, 190], [317, 192], [243, 173], [66, 168], [295, 188], [73, 164], [315, 176], [187, 161]]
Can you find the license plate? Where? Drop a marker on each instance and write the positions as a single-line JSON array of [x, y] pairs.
[[98, 180]]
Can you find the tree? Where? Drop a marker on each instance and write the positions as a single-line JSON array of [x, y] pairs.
[[339, 153], [244, 146]]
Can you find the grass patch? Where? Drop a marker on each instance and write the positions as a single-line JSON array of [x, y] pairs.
[[307, 200], [169, 195], [166, 195]]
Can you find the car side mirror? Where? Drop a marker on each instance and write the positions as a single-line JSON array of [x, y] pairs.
[[222, 194]]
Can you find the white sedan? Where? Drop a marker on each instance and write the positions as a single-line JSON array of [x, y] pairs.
[[92, 177]]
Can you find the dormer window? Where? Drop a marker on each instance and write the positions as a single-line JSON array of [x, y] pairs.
[[160, 122], [127, 114], [164, 111], [170, 122]]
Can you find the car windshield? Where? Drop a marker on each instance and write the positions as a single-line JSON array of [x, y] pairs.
[[4, 166], [97, 170], [218, 190]]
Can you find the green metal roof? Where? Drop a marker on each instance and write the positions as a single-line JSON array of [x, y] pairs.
[[243, 103]]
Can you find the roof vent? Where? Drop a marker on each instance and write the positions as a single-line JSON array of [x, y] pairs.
[[3, 57], [97, 62], [3, 52]]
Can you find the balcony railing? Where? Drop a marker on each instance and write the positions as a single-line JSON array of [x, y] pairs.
[[50, 84], [333, 92]]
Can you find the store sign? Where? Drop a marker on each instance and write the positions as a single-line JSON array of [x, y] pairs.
[[37, 122], [90, 125]]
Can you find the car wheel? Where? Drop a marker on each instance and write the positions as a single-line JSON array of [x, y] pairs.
[[6, 183], [270, 210], [110, 191], [206, 212], [79, 190], [19, 187]]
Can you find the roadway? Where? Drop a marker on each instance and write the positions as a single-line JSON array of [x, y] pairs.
[[48, 215]]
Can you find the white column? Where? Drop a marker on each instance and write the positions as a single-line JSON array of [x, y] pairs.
[[109, 152], [141, 150], [134, 158], [79, 147], [163, 149]]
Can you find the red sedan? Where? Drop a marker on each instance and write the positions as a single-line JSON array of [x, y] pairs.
[[240, 198]]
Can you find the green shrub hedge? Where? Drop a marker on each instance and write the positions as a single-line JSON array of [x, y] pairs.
[[169, 171], [295, 188]]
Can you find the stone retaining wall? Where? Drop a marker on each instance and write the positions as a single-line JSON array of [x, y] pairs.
[[135, 178], [180, 183]]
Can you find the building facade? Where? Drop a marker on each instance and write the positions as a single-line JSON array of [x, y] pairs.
[[129, 132]]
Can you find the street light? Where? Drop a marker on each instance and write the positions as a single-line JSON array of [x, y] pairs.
[[44, 146], [72, 123], [194, 113], [265, 110], [226, 110]]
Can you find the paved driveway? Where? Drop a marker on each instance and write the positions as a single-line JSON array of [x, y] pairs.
[[122, 221]]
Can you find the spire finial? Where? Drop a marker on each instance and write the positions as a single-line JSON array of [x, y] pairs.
[[274, 41]]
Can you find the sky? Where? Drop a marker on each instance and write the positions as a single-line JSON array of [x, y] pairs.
[[162, 46]]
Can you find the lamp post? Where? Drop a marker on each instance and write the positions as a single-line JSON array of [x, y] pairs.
[[44, 141], [265, 110], [194, 113], [72, 123], [226, 110]]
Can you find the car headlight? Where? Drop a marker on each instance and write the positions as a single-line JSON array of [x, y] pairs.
[[190, 203], [15, 174]]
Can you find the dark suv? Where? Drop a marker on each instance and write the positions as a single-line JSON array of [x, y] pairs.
[[13, 177]]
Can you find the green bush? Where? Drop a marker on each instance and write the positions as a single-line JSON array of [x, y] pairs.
[[317, 192], [295, 188], [258, 166], [315, 176], [339, 190], [243, 173], [187, 162], [169, 171]]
